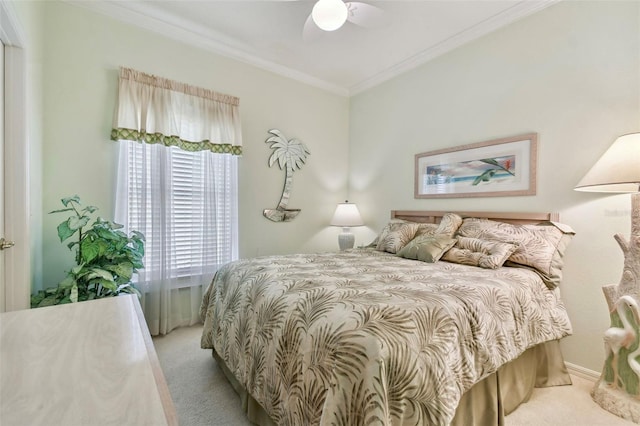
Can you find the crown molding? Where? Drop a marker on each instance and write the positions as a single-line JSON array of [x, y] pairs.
[[11, 32], [512, 14], [144, 15]]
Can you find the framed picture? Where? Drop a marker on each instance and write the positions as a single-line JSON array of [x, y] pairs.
[[500, 167]]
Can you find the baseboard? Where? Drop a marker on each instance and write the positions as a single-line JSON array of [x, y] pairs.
[[583, 373]]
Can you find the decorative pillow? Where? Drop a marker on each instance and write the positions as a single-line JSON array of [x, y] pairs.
[[427, 248], [396, 235], [475, 252], [449, 224], [540, 246], [374, 243], [426, 229]]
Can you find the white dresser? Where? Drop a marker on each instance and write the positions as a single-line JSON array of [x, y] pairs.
[[87, 363]]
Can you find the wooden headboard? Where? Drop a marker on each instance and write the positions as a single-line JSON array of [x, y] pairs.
[[509, 217]]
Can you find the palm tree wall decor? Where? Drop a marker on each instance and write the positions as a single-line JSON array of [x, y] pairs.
[[290, 156]]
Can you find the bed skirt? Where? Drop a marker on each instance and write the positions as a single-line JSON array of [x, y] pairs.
[[486, 403]]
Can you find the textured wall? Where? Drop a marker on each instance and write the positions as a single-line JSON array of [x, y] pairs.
[[571, 73], [82, 53]]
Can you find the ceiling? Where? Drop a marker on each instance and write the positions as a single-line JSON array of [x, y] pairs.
[[269, 34]]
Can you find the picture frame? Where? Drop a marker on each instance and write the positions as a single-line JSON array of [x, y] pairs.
[[495, 168]]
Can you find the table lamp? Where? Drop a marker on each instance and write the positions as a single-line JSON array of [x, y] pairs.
[[618, 171], [346, 216]]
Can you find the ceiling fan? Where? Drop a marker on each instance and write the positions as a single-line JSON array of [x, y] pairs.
[[329, 15]]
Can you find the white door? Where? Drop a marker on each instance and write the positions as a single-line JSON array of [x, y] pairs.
[[4, 244], [2, 268], [15, 262]]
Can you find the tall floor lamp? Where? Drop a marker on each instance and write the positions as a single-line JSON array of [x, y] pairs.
[[618, 389], [346, 216]]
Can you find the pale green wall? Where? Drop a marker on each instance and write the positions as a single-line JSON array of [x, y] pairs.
[[82, 53], [571, 73]]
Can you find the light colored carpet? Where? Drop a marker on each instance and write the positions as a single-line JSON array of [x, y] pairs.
[[199, 389], [203, 396]]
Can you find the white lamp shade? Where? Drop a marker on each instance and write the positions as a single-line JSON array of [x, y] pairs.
[[618, 170], [346, 215], [329, 15]]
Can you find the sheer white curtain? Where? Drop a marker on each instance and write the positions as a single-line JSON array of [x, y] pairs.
[[177, 184]]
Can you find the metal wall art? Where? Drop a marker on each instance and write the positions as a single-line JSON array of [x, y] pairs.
[[290, 156]]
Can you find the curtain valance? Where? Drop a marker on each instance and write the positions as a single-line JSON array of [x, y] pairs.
[[155, 110]]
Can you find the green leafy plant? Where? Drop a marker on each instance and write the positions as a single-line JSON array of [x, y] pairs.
[[106, 258]]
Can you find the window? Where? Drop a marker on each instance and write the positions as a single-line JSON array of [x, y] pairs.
[[177, 184], [184, 203]]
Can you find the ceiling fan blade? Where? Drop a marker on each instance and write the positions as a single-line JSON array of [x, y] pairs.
[[366, 15], [311, 31]]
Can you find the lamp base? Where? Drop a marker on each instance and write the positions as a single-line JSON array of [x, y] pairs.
[[346, 240], [617, 390], [616, 401]]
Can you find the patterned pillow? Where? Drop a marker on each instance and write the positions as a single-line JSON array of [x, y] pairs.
[[426, 229], [541, 246], [396, 235], [449, 224], [374, 243], [475, 252], [427, 248]]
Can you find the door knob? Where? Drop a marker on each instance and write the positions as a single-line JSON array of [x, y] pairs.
[[4, 244]]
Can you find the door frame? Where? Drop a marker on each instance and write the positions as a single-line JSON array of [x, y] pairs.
[[16, 168]]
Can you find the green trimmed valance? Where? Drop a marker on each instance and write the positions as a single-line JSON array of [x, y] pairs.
[[154, 138], [155, 110]]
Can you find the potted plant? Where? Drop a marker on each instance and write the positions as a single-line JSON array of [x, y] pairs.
[[106, 258]]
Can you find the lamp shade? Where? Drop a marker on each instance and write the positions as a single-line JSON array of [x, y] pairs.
[[618, 170], [329, 15], [346, 215]]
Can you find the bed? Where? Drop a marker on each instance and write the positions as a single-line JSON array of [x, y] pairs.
[[374, 335]]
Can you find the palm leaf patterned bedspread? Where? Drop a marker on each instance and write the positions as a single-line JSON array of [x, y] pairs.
[[363, 337]]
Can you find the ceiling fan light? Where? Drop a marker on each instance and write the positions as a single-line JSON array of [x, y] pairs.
[[329, 15]]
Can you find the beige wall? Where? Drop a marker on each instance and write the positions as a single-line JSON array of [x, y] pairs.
[[82, 52], [571, 73]]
